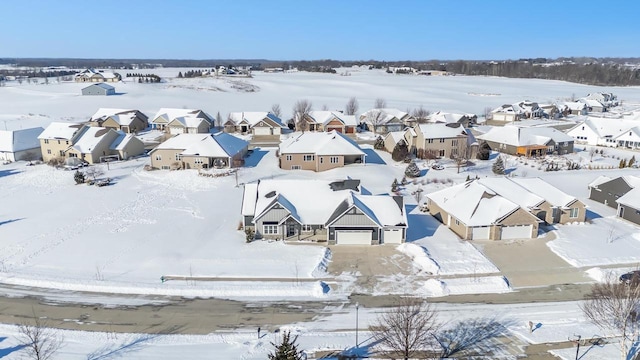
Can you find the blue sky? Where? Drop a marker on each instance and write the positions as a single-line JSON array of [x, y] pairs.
[[307, 29]]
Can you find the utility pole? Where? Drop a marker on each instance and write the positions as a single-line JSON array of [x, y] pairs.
[[357, 306], [576, 340]]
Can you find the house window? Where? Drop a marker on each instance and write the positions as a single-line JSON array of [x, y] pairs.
[[441, 153], [270, 229], [197, 161], [454, 142], [61, 152], [309, 157], [178, 157], [295, 167], [67, 142], [335, 159], [429, 141], [289, 157], [306, 228], [58, 142], [573, 213], [441, 140], [457, 222], [49, 151], [321, 160], [158, 157], [46, 141]]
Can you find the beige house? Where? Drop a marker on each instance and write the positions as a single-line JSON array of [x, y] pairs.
[[258, 123], [128, 121], [452, 118], [319, 151], [97, 76], [322, 120], [382, 121], [513, 112], [90, 143], [407, 136], [528, 141], [335, 212], [199, 151], [475, 212], [444, 140], [182, 121]]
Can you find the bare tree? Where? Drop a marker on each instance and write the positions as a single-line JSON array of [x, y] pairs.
[[40, 341], [325, 107], [375, 118], [407, 329], [487, 113], [460, 152], [421, 114], [380, 103], [218, 120], [614, 307], [275, 110], [301, 110], [352, 106], [94, 172]]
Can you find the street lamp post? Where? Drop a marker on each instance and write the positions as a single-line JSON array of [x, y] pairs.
[[357, 306]]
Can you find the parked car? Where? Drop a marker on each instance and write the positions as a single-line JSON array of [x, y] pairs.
[[632, 277], [437, 167]]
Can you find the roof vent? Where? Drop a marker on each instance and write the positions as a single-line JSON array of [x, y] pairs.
[[270, 194]]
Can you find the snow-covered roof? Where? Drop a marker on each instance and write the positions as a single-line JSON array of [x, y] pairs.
[[632, 181], [382, 209], [325, 116], [249, 198], [396, 135], [206, 145], [550, 193], [169, 113], [523, 136], [473, 204], [254, 117], [189, 121], [320, 143], [90, 137], [19, 140], [631, 199], [60, 130], [599, 180], [591, 102], [121, 141], [513, 192], [441, 130], [121, 116], [522, 107], [88, 73], [575, 105], [101, 85], [448, 118], [388, 115], [606, 127]]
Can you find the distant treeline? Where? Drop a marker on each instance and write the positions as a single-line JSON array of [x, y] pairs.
[[584, 70], [29, 73]]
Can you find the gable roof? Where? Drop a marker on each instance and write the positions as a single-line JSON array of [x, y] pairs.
[[512, 191], [89, 138], [631, 198], [523, 136], [18, 140], [170, 113], [121, 116], [325, 116], [254, 117], [550, 193], [605, 127], [320, 143], [388, 115], [473, 204], [442, 130], [60, 130], [189, 121], [101, 85], [206, 145], [122, 141]]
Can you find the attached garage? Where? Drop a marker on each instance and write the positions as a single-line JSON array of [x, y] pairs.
[[261, 131], [354, 237], [392, 236], [480, 233], [516, 232]]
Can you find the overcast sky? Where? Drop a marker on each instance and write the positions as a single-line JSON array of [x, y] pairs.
[[328, 29]]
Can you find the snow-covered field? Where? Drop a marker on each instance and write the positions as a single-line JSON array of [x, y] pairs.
[[124, 237]]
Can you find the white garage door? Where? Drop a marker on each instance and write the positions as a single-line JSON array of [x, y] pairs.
[[516, 232], [392, 236], [480, 233], [355, 237], [174, 130], [262, 131]]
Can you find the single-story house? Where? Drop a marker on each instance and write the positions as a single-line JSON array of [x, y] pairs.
[[475, 212], [92, 75], [382, 121], [318, 210], [575, 108], [528, 141], [99, 89], [593, 105], [182, 121], [629, 206], [540, 198], [606, 99], [258, 123], [607, 132], [129, 121], [23, 144], [322, 120], [451, 118], [199, 151], [90, 143], [608, 190], [517, 111], [318, 151]]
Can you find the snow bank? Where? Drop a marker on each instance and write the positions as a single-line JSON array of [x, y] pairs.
[[420, 257], [459, 286]]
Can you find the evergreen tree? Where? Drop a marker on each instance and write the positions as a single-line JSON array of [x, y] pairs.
[[287, 350], [498, 166], [78, 177], [379, 144], [180, 74], [412, 170], [394, 185], [623, 163], [400, 151], [631, 161], [484, 151]]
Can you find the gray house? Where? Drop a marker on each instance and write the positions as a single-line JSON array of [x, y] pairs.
[[629, 206], [99, 89], [317, 210], [608, 190]]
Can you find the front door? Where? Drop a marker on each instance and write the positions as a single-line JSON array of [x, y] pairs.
[[291, 230]]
